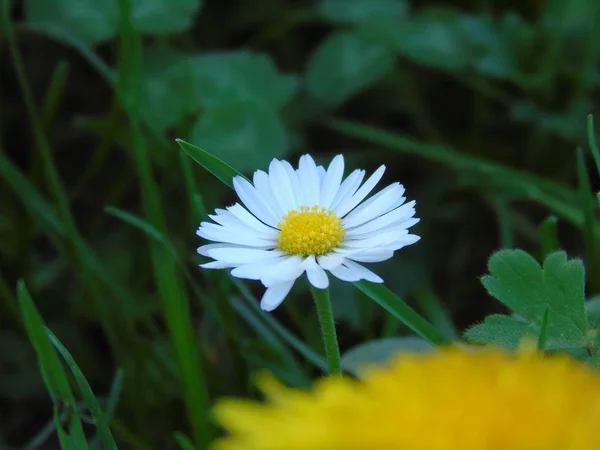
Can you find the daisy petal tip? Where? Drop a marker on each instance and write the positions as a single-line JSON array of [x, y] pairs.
[[275, 295], [376, 279]]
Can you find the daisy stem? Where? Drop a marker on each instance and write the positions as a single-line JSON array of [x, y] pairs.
[[330, 342]]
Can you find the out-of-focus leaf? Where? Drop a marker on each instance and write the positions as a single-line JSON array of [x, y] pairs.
[[164, 17], [381, 351], [168, 92], [346, 63], [89, 20], [230, 77], [94, 22], [438, 38], [243, 134], [356, 11]]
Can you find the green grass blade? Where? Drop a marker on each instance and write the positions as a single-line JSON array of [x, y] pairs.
[[142, 225], [184, 442], [54, 94], [108, 442], [33, 201], [55, 184], [588, 206], [220, 169], [436, 312], [401, 311], [115, 393], [53, 372], [171, 289], [549, 242], [195, 199], [592, 142], [308, 353], [449, 157]]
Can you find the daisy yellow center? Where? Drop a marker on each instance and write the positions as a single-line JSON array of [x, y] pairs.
[[310, 231]]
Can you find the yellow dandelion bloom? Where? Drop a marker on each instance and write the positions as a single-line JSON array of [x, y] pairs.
[[450, 399]]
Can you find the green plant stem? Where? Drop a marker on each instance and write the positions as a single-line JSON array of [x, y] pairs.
[[330, 342]]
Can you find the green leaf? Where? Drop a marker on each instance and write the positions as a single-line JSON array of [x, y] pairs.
[[52, 370], [594, 362], [94, 22], [400, 310], [501, 330], [230, 77], [164, 17], [220, 169], [90, 399], [380, 351], [518, 281], [438, 38], [592, 309], [344, 64], [244, 133], [168, 90], [357, 11], [91, 21]]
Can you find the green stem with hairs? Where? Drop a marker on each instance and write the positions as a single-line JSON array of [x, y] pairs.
[[330, 342]]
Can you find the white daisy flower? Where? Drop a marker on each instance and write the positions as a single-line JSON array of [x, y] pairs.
[[309, 221]]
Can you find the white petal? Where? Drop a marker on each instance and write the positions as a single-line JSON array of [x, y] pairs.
[[293, 176], [288, 268], [249, 197], [350, 203], [239, 255], [232, 224], [274, 295], [322, 172], [315, 273], [395, 226], [248, 219], [262, 181], [371, 256], [253, 271], [376, 206], [376, 240], [403, 241], [205, 249], [309, 179], [363, 272], [281, 186], [345, 274], [221, 234], [216, 265], [348, 188], [330, 260], [398, 215], [331, 183]]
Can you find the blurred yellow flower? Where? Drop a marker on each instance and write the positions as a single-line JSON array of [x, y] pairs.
[[449, 399]]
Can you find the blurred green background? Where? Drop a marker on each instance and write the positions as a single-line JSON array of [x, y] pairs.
[[476, 106]]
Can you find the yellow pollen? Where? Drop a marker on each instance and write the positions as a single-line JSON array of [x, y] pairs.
[[311, 231]]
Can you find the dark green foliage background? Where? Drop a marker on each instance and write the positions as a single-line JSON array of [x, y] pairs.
[[477, 107]]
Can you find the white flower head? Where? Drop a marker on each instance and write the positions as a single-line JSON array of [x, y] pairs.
[[307, 220]]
